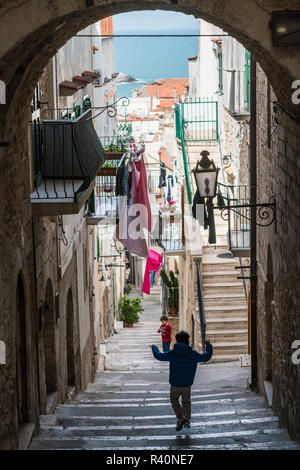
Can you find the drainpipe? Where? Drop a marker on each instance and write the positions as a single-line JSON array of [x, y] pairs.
[[253, 200], [36, 317]]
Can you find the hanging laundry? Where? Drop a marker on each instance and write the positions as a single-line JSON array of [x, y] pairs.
[[199, 200], [220, 200], [130, 229], [152, 278], [170, 178], [153, 264], [169, 196], [162, 178]]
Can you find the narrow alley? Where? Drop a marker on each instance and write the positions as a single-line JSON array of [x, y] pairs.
[[127, 406]]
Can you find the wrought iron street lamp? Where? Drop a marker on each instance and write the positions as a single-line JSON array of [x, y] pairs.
[[206, 176]]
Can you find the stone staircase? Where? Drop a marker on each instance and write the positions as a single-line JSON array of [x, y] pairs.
[[225, 305], [127, 407]]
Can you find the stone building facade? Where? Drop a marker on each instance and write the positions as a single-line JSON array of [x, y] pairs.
[[278, 255], [30, 38]]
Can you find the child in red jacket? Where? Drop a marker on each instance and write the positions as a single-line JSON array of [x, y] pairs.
[[165, 330]]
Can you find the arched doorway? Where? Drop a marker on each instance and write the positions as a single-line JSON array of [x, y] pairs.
[[21, 353], [70, 340], [49, 340], [269, 298]]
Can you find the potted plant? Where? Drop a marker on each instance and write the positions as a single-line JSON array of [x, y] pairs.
[[173, 291], [130, 308], [128, 289]]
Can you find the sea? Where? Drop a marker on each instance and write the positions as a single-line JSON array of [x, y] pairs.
[[148, 59]]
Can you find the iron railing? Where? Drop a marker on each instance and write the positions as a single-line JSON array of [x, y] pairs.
[[238, 219], [153, 183], [106, 203], [169, 233], [201, 308], [200, 119], [66, 157], [179, 124]]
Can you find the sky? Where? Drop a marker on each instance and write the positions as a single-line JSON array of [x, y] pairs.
[[153, 20]]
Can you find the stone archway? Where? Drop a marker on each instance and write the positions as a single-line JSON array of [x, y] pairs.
[[49, 334], [41, 31]]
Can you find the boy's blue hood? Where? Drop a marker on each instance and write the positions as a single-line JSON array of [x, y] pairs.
[[182, 349]]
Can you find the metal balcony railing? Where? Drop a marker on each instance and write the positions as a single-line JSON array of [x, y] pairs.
[[238, 219], [106, 203], [200, 119], [169, 234], [67, 155], [153, 183]]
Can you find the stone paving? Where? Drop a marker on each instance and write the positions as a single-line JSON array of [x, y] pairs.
[[127, 406]]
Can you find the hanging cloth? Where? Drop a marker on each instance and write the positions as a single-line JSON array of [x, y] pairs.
[[169, 197], [199, 200], [170, 178], [153, 264], [162, 178], [130, 229]]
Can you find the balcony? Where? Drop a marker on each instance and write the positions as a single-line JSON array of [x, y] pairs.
[[103, 202], [238, 235], [198, 120], [67, 156]]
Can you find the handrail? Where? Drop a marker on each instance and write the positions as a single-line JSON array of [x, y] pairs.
[[180, 124], [243, 278], [201, 306]]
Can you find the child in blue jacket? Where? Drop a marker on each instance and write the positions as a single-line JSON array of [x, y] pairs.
[[183, 364]]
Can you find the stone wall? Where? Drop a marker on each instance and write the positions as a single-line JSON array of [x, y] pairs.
[[236, 133], [278, 270]]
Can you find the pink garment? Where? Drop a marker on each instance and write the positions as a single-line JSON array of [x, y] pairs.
[[153, 264], [129, 231]]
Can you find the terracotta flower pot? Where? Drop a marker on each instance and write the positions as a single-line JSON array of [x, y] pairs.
[[172, 310], [128, 325]]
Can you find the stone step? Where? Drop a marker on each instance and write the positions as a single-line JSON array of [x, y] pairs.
[[224, 314], [220, 288], [219, 266], [164, 431], [224, 299], [230, 357], [220, 276], [212, 250], [227, 323], [226, 308], [228, 335], [150, 410], [159, 420], [158, 395], [232, 347], [159, 398]]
